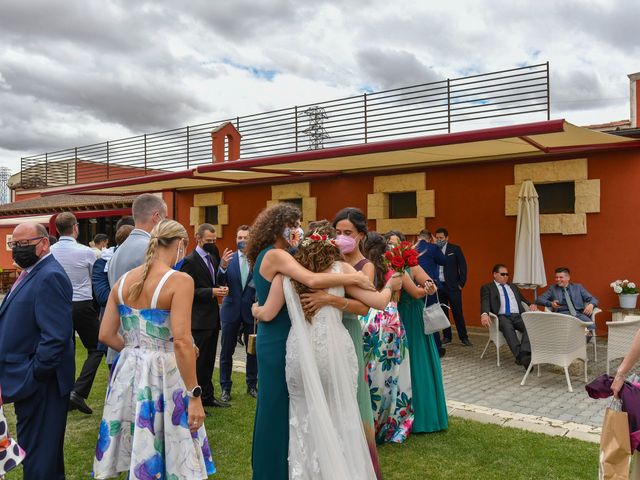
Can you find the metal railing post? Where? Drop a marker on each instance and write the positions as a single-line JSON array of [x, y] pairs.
[[75, 158], [295, 113], [548, 95], [448, 105], [365, 118], [108, 169], [145, 153], [46, 168], [188, 147]]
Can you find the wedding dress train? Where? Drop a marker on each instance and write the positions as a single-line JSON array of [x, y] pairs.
[[326, 438]]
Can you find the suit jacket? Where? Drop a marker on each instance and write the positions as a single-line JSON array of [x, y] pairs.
[[579, 296], [431, 258], [36, 332], [129, 255], [204, 314], [490, 298], [236, 305], [455, 267]]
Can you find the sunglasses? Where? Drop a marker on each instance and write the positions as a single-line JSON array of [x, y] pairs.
[[504, 274]]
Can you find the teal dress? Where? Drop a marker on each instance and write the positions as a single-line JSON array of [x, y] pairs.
[[429, 402], [271, 427]]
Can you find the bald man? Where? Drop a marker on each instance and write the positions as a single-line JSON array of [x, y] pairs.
[[36, 351]]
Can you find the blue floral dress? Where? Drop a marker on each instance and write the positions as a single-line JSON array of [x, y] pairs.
[[144, 426], [387, 369]]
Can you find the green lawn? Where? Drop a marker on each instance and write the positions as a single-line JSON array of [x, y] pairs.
[[469, 450]]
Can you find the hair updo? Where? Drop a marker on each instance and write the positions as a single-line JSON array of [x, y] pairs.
[[162, 236]]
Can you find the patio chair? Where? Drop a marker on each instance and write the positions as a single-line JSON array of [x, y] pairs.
[[556, 339], [495, 336], [621, 335], [594, 338]]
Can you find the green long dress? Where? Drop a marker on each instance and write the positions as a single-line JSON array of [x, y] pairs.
[[429, 402], [271, 427], [354, 326]]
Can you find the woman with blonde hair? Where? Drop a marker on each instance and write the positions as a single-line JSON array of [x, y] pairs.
[[153, 417]]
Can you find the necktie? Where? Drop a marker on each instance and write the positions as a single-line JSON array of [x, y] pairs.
[[23, 274], [210, 265], [507, 303], [244, 270], [567, 297]]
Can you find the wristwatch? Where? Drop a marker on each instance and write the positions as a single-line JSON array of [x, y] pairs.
[[195, 392]]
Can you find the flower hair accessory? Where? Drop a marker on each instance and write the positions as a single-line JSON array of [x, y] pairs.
[[317, 237]]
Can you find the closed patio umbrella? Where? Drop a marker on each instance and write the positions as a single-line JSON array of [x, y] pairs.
[[528, 270]]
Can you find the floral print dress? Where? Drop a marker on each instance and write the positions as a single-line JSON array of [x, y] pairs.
[[144, 426], [386, 357]]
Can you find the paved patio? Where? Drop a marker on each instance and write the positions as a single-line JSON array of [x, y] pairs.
[[480, 390]]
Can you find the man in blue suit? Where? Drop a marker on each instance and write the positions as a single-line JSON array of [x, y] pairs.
[[452, 277], [235, 273], [37, 363], [569, 298]]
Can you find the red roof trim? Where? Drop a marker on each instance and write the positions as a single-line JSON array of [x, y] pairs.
[[537, 128]]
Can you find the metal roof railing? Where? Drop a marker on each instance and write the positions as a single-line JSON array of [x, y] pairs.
[[441, 106]]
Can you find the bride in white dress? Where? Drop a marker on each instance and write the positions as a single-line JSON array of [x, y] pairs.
[[321, 373]]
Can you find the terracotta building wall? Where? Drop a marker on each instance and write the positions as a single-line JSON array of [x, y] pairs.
[[470, 203]]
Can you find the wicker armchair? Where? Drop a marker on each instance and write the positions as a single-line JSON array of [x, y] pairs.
[[556, 339], [495, 336], [621, 335]]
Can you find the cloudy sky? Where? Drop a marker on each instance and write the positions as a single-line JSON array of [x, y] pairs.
[[77, 72]]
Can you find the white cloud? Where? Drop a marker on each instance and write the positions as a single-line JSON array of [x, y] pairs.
[[84, 71]]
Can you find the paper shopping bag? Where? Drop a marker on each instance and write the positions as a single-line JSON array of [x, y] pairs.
[[615, 446]]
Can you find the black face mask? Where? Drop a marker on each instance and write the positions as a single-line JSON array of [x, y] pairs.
[[25, 257], [211, 249]]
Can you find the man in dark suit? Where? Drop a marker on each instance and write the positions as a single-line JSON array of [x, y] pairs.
[[504, 300], [201, 265], [452, 277], [569, 298], [37, 363], [235, 312]]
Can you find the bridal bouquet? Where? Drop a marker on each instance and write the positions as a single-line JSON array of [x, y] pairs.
[[401, 257]]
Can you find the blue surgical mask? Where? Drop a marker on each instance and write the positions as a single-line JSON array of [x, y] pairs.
[[241, 244]]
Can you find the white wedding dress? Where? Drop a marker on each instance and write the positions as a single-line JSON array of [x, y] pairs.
[[326, 438]]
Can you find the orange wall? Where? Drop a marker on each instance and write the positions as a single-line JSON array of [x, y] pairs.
[[470, 203]]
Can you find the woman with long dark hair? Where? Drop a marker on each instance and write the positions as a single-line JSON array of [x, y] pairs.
[[276, 229]]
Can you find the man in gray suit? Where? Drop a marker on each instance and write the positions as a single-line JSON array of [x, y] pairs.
[[148, 211], [569, 298]]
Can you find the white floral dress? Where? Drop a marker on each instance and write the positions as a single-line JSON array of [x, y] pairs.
[[144, 426]]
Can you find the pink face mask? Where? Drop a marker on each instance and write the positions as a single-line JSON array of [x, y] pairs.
[[346, 244]]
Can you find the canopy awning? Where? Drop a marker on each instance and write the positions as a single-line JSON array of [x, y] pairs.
[[13, 221], [518, 141]]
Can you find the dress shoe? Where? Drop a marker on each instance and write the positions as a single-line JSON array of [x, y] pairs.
[[442, 352], [226, 396], [214, 402], [467, 343], [445, 341], [525, 361], [589, 337], [77, 402], [253, 391]]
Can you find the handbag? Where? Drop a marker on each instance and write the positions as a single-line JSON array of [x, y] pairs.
[[615, 446], [433, 317], [251, 341]]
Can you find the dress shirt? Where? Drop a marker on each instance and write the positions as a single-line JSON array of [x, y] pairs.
[[441, 267], [513, 303], [77, 261], [206, 258]]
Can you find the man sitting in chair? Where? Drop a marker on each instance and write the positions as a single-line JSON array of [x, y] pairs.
[[505, 300], [570, 299]]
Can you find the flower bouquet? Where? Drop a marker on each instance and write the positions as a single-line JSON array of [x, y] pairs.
[[401, 257]]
